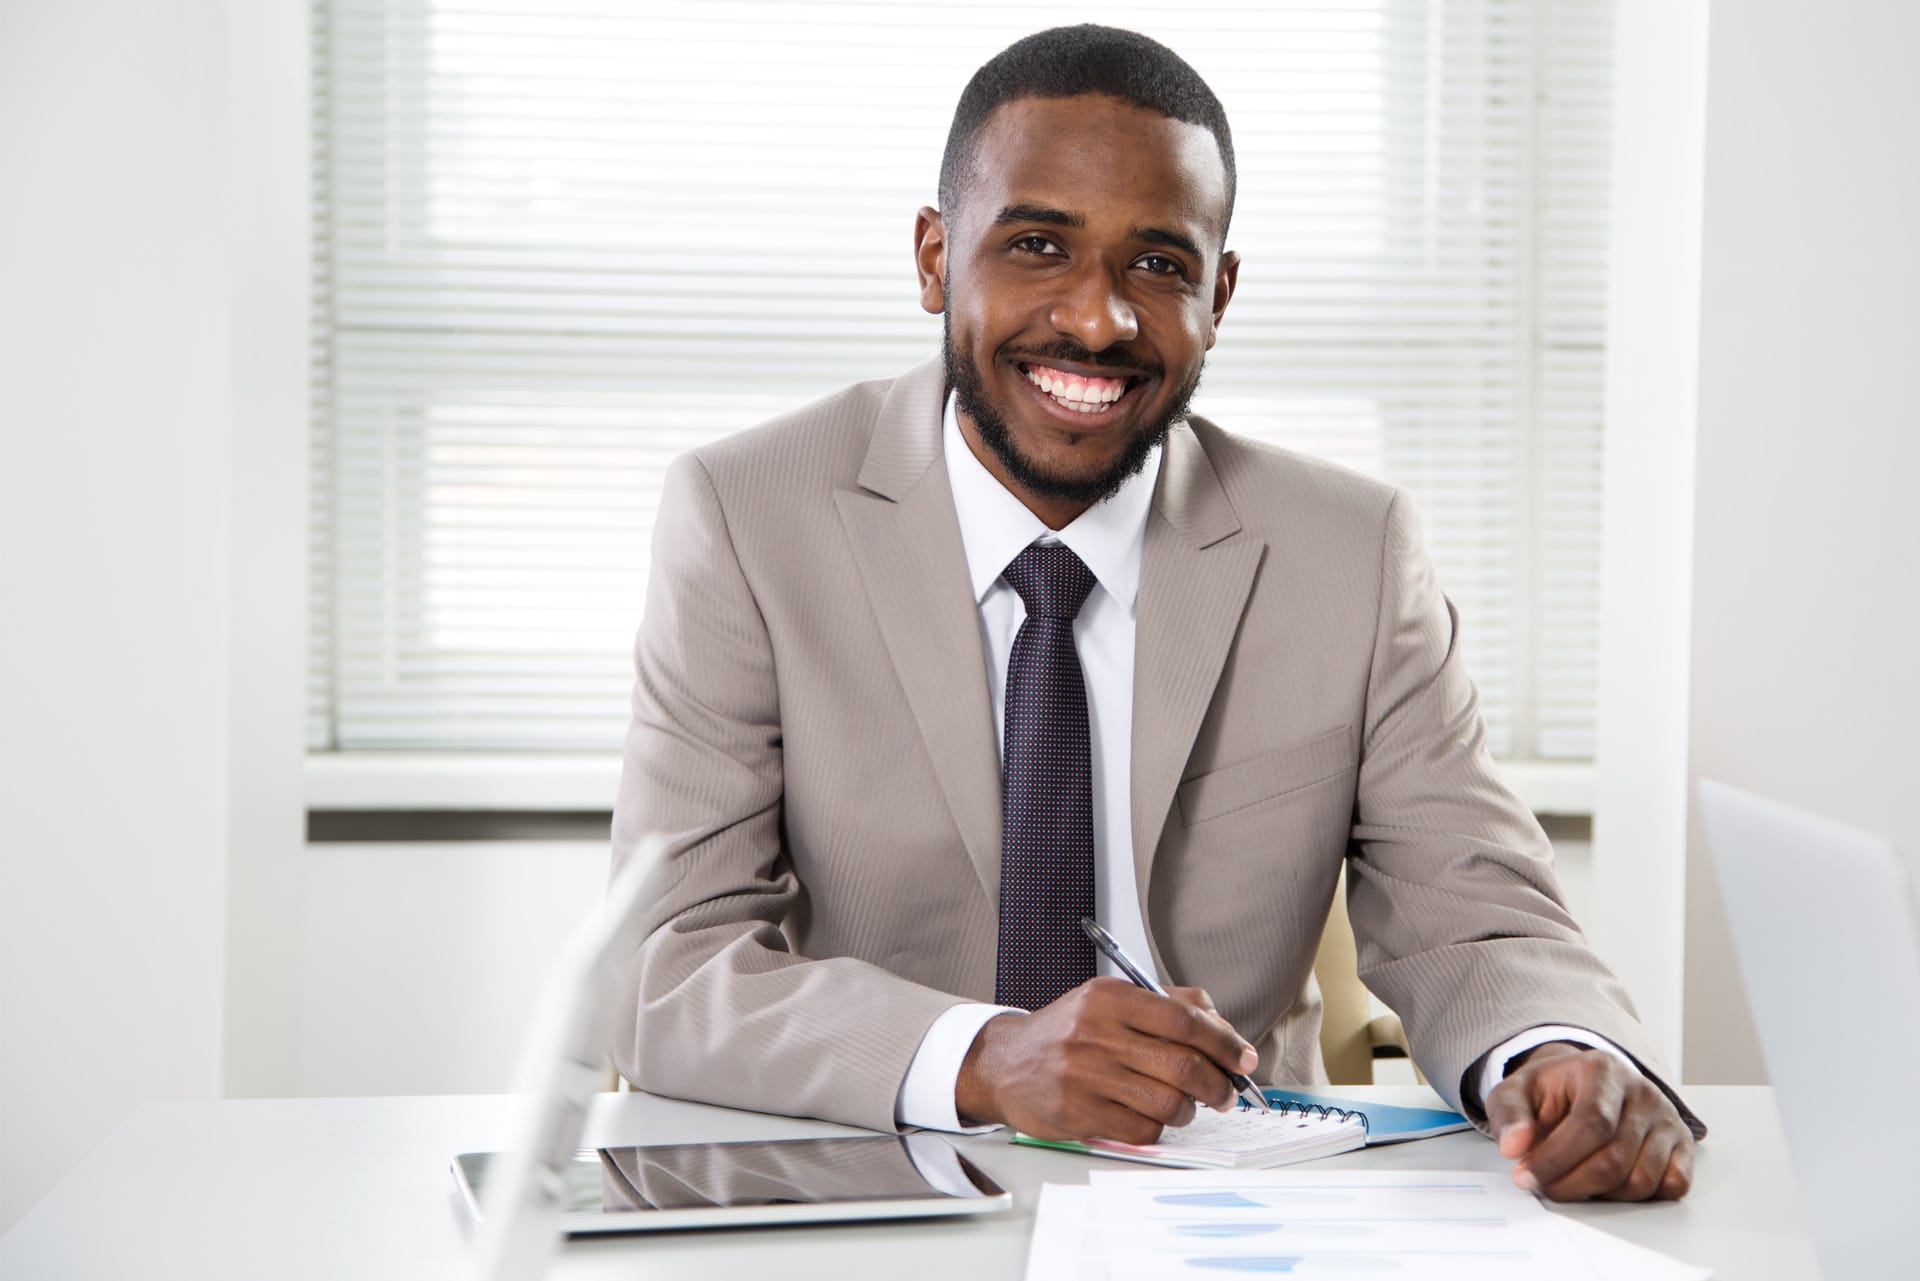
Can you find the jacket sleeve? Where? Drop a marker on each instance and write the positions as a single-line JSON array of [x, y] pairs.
[[716, 1005], [1460, 925]]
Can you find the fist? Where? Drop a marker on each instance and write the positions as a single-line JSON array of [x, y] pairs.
[[1581, 1123]]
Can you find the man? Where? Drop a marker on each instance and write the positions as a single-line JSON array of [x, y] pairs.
[[939, 664]]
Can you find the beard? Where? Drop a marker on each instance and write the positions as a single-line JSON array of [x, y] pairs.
[[970, 392]]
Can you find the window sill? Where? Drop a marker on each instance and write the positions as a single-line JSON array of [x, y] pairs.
[[509, 782], [530, 782]]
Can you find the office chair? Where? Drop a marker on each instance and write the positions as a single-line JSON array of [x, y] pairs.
[[1351, 1035]]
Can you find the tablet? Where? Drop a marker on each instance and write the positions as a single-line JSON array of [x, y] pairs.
[[713, 1185]]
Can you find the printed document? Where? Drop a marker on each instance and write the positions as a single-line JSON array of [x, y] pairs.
[[1432, 1224]]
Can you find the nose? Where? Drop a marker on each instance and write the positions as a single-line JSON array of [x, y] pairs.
[[1093, 310]]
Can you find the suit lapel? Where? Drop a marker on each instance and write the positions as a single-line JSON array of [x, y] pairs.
[[905, 539], [1195, 576]]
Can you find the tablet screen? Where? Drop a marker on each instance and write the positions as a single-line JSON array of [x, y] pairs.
[[786, 1172]]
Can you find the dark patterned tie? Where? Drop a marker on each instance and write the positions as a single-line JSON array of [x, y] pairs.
[[1046, 821]]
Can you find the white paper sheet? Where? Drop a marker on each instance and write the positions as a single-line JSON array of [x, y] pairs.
[[1440, 1224], [1066, 1238]]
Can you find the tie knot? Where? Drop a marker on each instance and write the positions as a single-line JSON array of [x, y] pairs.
[[1052, 581]]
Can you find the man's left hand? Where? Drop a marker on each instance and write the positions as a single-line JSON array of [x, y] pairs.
[[1582, 1123]]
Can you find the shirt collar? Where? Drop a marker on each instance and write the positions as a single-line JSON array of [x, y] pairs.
[[995, 526]]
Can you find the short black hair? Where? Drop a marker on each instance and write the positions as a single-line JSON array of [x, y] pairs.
[[1065, 62]]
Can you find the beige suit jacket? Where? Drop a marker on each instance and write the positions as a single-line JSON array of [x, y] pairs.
[[811, 730]]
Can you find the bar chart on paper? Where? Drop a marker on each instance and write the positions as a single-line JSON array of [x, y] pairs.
[[1436, 1225]]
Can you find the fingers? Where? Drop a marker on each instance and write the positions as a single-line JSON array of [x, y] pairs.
[[1181, 1022], [1649, 1170], [1510, 1116], [1248, 1060], [1185, 1069], [1118, 1123], [1131, 1109], [1150, 1104], [1662, 1169], [1592, 1168], [1598, 1132], [1678, 1180]]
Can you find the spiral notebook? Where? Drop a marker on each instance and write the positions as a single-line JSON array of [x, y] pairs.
[[1386, 1122], [1239, 1140]]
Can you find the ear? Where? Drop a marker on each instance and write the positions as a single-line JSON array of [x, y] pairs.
[[930, 259], [1223, 282]]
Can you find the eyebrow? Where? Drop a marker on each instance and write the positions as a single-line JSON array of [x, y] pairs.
[[1052, 217], [1171, 239], [1039, 213]]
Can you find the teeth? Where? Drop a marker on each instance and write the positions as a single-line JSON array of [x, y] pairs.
[[1083, 395]]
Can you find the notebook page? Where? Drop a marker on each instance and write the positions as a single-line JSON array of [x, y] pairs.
[[1245, 1133]]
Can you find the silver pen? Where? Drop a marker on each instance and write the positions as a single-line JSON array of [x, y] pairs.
[[1110, 946]]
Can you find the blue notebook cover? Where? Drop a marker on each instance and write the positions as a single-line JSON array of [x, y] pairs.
[[1385, 1123]]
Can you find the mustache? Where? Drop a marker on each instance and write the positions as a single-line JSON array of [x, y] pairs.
[[1067, 351]]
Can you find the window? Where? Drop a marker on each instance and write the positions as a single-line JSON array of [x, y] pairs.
[[559, 244]]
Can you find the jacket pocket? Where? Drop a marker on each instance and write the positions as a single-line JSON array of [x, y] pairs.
[[1265, 777]]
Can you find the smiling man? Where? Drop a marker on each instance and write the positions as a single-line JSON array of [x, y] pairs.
[[937, 666]]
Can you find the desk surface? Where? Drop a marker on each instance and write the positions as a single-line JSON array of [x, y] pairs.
[[331, 1188]]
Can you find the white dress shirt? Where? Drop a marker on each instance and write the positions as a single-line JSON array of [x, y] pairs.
[[1108, 537]]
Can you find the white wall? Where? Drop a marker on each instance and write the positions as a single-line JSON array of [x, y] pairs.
[[1806, 620], [113, 508], [420, 960]]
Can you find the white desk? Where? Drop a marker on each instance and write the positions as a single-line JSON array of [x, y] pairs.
[[353, 1188]]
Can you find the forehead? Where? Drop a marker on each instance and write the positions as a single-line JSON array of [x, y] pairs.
[[1103, 158]]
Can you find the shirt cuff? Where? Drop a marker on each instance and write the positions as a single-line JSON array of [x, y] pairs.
[[1493, 1069], [927, 1094]]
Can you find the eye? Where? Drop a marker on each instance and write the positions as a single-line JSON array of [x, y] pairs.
[[1161, 265], [1038, 245]]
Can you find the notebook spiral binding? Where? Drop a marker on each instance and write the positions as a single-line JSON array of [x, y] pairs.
[[1293, 1107]]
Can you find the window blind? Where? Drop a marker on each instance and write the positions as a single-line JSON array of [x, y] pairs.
[[558, 244]]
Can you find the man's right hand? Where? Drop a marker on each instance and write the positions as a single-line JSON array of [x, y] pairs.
[[1108, 1060]]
